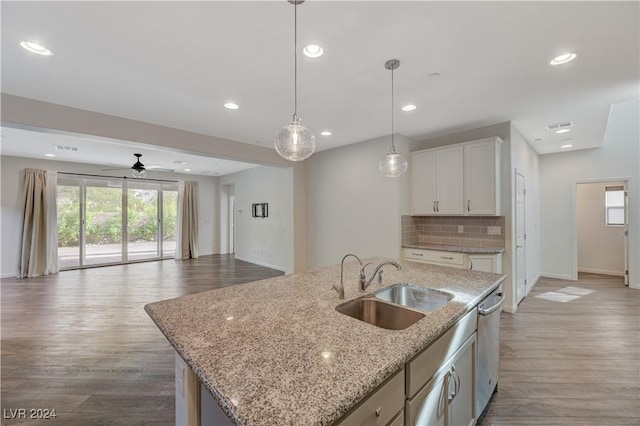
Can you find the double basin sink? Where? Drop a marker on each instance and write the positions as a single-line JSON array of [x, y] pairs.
[[396, 307]]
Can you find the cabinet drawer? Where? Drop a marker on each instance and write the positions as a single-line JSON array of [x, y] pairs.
[[434, 256], [387, 400], [421, 368]]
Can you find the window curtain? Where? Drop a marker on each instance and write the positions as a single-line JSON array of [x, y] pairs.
[[39, 243], [187, 221]]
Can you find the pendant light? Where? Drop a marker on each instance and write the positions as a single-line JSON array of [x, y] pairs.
[[392, 165], [295, 142]]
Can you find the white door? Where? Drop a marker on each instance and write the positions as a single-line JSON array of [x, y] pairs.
[[520, 239], [232, 224], [626, 233]]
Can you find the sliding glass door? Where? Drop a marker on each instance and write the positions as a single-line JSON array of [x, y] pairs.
[[102, 222], [105, 221]]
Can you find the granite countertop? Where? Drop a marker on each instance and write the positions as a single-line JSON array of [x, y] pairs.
[[277, 352], [456, 249]]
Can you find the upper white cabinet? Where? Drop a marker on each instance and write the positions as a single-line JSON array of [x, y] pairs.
[[482, 178], [461, 179], [436, 181]]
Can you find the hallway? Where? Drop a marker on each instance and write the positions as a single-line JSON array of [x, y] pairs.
[[570, 356]]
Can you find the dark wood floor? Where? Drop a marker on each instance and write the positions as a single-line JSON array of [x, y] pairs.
[[570, 363], [81, 343]]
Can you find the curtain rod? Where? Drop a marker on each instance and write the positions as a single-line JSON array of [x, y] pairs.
[[117, 177]]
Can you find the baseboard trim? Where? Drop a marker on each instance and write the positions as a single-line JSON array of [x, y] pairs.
[[257, 262], [533, 283], [601, 271], [556, 276], [511, 309], [8, 275]]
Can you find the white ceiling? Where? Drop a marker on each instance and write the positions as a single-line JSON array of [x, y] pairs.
[[177, 63]]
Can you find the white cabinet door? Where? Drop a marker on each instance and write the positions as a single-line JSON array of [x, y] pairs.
[[482, 178], [449, 182], [429, 407], [423, 183], [485, 262], [463, 372]]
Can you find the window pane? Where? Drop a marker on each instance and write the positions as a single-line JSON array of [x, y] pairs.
[[169, 212], [142, 230], [614, 198], [103, 222], [615, 216], [68, 203]]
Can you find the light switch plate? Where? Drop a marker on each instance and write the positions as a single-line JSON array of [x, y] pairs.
[[460, 229], [494, 230]]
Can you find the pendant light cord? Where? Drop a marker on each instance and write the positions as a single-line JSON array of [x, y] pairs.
[[295, 61], [393, 147]]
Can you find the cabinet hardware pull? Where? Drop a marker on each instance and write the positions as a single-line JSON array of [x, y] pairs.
[[445, 257], [378, 411], [434, 206], [471, 262], [417, 254], [438, 206], [468, 205]]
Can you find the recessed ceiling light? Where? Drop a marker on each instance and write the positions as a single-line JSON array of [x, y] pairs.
[[313, 51], [181, 162], [409, 107], [566, 146], [537, 140], [434, 75], [326, 133], [563, 59], [49, 155], [187, 170], [231, 105], [563, 130], [36, 48]]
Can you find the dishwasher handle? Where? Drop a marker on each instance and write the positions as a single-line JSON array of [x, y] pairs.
[[487, 311]]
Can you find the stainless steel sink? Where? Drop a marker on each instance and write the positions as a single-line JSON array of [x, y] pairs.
[[422, 299], [379, 313]]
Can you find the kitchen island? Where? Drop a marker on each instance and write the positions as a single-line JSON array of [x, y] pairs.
[[276, 351]]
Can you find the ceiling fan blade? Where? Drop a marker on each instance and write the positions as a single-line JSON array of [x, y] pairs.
[[158, 169], [113, 170]]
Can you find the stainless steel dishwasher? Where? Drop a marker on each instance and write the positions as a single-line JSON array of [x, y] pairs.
[[488, 363]]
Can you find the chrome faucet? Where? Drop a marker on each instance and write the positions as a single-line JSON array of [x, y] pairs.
[[364, 283], [340, 289]]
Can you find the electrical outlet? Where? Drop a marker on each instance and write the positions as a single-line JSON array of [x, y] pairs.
[[494, 230], [460, 229]]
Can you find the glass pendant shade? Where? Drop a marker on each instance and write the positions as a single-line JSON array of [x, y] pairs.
[[392, 164], [295, 142], [139, 173]]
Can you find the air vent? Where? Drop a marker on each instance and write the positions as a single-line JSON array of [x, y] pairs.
[[66, 148], [558, 126]]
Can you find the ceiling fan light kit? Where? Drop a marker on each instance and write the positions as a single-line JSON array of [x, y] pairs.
[[295, 142]]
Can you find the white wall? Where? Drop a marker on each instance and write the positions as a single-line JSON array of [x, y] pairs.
[[600, 247], [618, 158], [525, 161], [351, 207], [268, 241], [12, 173]]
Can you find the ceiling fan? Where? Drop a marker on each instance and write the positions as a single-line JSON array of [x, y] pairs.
[[138, 169]]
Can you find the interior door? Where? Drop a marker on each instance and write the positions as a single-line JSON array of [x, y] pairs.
[[626, 233], [520, 238]]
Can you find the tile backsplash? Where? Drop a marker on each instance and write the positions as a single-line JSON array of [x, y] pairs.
[[445, 230]]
